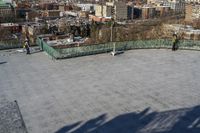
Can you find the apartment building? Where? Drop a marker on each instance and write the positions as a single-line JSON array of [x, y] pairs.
[[192, 12], [178, 6], [7, 11], [192, 1], [116, 9]]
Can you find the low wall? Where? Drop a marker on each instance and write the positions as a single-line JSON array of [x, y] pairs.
[[108, 47]]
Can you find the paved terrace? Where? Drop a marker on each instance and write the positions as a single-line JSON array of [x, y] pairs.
[[140, 91]]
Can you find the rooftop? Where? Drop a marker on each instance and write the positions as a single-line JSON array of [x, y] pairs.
[[10, 118], [140, 91]]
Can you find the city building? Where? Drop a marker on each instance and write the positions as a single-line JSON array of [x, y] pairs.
[[130, 10], [99, 19], [178, 6], [99, 10], [47, 1], [137, 12], [103, 11], [51, 13], [32, 15], [83, 14], [193, 1], [64, 7], [119, 10], [163, 11], [86, 7], [148, 12], [48, 6], [115, 9], [35, 28], [192, 12], [188, 12], [11, 27], [7, 11]]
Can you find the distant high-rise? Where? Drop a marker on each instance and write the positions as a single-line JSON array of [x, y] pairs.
[[115, 9], [119, 9]]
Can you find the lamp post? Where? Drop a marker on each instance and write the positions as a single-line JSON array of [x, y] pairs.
[[111, 39]]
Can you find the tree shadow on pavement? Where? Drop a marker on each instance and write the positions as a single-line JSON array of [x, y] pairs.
[[185, 120]]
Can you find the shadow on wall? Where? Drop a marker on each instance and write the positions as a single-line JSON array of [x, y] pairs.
[[186, 120]]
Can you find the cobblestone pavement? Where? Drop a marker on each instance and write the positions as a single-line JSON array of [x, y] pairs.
[[138, 91]]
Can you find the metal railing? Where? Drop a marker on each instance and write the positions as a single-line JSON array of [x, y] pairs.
[[60, 53]]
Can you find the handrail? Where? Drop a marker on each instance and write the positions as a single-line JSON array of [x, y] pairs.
[[57, 53]]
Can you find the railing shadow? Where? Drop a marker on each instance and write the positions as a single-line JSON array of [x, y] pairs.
[[3, 62], [184, 120]]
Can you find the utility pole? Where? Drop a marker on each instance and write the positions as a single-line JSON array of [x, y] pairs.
[[111, 29]]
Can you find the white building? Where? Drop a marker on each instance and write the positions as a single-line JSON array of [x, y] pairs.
[[178, 6], [192, 1], [118, 10], [86, 7]]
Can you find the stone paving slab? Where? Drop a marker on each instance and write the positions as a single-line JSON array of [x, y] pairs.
[[99, 93]]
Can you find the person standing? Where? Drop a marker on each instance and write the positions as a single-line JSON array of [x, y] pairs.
[[28, 40], [27, 47], [174, 41]]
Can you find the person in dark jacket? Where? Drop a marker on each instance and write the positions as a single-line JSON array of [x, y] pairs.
[[27, 47], [28, 40], [174, 41]]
